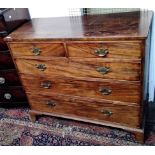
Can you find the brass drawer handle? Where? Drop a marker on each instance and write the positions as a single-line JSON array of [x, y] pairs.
[[2, 80], [46, 84], [50, 103], [101, 52], [106, 112], [103, 70], [36, 50], [105, 91], [41, 67]]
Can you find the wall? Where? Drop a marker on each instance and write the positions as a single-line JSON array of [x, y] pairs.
[[54, 12], [110, 10], [152, 63]]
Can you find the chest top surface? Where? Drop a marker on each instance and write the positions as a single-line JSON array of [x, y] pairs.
[[122, 26]]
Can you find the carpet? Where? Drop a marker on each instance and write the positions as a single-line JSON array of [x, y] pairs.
[[17, 130]]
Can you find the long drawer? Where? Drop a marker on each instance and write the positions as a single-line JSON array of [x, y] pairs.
[[88, 68], [85, 109], [12, 94], [99, 89], [121, 50], [9, 78]]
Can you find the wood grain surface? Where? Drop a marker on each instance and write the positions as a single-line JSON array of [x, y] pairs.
[[121, 50], [45, 49], [131, 91], [127, 115], [92, 68], [81, 68], [118, 26]]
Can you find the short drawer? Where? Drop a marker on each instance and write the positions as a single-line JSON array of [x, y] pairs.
[[97, 89], [6, 61], [88, 110], [87, 68], [9, 78], [12, 94], [129, 50], [38, 49]]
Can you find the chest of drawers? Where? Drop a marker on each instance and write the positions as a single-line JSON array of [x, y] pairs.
[[90, 68], [11, 91]]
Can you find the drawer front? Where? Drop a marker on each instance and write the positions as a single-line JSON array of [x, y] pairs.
[[129, 50], [106, 90], [9, 78], [88, 110], [6, 61], [13, 94], [38, 49], [88, 68]]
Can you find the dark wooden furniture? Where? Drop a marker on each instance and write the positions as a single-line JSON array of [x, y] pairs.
[[11, 91], [90, 68]]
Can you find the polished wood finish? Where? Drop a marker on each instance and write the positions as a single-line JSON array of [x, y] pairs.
[[81, 68], [118, 26], [120, 50], [85, 109], [88, 50], [90, 88], [45, 49], [138, 134], [98, 75]]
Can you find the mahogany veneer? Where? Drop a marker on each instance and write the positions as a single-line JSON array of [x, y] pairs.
[[92, 68]]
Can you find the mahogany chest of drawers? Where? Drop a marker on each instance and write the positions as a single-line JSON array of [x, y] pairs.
[[91, 68], [11, 91]]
